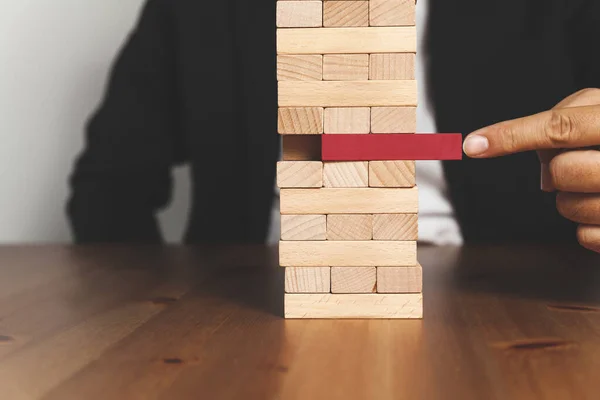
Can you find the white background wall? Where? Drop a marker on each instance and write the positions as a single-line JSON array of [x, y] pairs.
[[54, 60]]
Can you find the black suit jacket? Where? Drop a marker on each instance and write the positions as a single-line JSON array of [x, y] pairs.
[[196, 83]]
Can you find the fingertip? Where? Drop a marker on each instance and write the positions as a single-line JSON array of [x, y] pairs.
[[476, 145]]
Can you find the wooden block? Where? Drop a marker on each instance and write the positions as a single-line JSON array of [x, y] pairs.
[[346, 67], [349, 201], [346, 174], [301, 120], [347, 93], [307, 280], [347, 40], [303, 227], [395, 227], [392, 12], [354, 280], [383, 147], [332, 253], [354, 306], [347, 120], [350, 227], [399, 279], [392, 66], [306, 67], [301, 148], [300, 174], [392, 174], [345, 13], [393, 119], [292, 14]]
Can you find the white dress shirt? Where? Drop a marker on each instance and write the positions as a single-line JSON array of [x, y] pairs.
[[437, 224]]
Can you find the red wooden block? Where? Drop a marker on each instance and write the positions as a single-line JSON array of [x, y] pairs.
[[376, 147]]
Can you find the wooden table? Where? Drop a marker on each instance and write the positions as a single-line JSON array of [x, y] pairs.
[[176, 323]]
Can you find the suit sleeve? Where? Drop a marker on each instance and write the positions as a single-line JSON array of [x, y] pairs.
[[123, 175], [584, 35]]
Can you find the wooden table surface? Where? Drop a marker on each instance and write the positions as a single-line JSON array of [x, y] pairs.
[[500, 322]]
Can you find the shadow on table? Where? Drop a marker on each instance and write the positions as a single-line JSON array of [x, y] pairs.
[[259, 288], [566, 274], [559, 274], [249, 277]]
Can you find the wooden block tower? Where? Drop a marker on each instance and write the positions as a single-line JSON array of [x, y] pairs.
[[347, 98]]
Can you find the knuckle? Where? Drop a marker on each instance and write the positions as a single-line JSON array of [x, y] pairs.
[[584, 97], [559, 129], [588, 92], [505, 131]]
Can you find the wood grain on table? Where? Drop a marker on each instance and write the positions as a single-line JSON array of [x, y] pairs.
[[500, 322]]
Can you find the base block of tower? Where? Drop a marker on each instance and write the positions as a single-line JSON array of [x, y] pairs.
[[354, 306]]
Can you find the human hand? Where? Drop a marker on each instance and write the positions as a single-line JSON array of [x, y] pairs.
[[566, 139]]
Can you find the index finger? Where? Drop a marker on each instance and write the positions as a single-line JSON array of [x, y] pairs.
[[555, 129]]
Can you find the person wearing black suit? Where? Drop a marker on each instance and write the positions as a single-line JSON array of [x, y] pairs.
[[195, 83]]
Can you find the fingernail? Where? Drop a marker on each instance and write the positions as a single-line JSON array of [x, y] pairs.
[[546, 179], [475, 145]]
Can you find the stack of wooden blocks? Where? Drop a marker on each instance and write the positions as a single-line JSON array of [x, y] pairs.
[[348, 228]]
